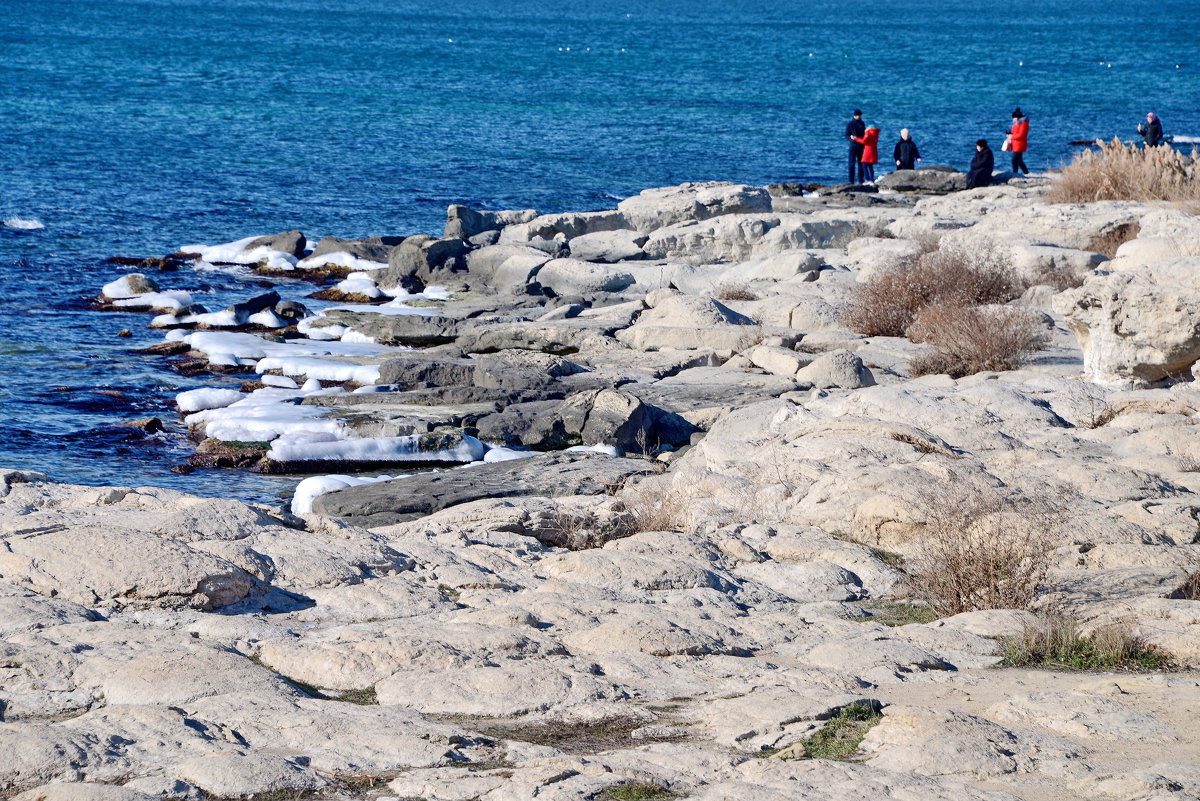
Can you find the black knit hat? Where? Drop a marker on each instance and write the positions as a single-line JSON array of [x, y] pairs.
[[1017, 112], [858, 112]]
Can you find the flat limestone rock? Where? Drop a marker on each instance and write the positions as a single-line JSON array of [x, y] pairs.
[[556, 474], [83, 791], [107, 566], [232, 774], [489, 691]]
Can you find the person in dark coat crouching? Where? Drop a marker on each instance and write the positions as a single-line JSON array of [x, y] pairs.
[[1151, 130], [905, 152], [981, 166]]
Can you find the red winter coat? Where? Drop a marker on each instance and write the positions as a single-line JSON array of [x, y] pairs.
[[1019, 135], [870, 142]]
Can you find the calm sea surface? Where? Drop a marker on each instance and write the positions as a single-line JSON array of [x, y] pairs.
[[131, 128]]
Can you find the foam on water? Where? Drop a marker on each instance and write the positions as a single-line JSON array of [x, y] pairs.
[[23, 224]]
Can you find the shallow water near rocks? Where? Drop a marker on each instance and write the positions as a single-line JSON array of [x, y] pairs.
[[131, 128]]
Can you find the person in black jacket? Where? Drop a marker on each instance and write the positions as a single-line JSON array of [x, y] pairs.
[[1151, 130], [856, 127], [981, 166], [905, 153]]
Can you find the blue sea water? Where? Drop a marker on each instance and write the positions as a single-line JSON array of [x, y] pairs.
[[131, 127]]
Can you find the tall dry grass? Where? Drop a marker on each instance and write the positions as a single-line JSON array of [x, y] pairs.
[[1117, 171]]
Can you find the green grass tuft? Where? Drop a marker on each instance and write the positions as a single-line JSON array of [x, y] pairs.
[[843, 733], [637, 791], [1056, 644]]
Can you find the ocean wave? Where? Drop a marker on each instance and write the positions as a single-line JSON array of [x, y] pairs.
[[23, 223], [1186, 140]]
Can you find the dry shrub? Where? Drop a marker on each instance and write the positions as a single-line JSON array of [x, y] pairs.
[[579, 529], [657, 504], [1059, 278], [1108, 240], [735, 292], [984, 547], [1117, 171], [974, 339], [954, 274]]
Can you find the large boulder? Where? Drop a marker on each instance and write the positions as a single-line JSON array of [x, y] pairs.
[[292, 243], [550, 227], [1137, 325], [684, 322], [463, 222], [574, 278], [739, 237], [375, 248], [506, 268], [520, 369], [593, 417], [663, 206], [110, 567], [609, 246], [928, 180], [426, 259], [408, 370]]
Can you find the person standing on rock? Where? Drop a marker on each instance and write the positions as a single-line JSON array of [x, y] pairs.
[[870, 153], [905, 152], [854, 130], [1018, 141], [981, 166], [1151, 130]]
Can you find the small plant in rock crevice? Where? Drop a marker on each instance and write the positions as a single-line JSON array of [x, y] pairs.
[[842, 734], [637, 791]]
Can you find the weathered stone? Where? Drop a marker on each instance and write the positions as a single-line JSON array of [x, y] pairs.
[[660, 207], [464, 222], [608, 246], [573, 277], [406, 498], [925, 180], [376, 248], [292, 243]]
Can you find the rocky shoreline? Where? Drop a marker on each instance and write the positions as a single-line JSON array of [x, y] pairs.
[[675, 527]]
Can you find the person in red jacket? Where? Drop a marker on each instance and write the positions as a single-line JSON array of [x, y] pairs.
[[1018, 141], [870, 155]]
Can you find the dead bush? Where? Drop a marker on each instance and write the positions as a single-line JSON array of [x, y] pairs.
[[657, 504], [1059, 278], [579, 529], [984, 547], [1117, 171], [973, 339], [735, 292], [954, 274], [1108, 240]]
